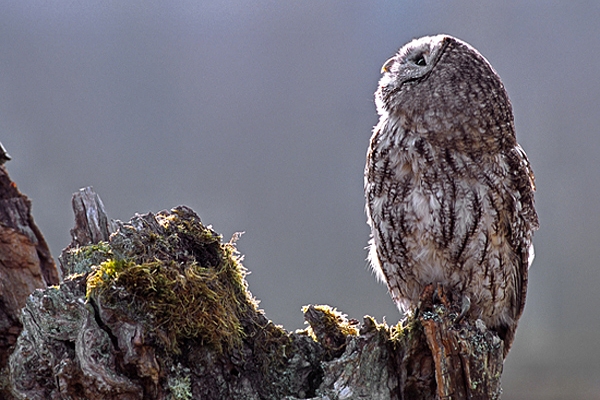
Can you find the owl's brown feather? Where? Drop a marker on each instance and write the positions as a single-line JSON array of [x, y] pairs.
[[449, 191]]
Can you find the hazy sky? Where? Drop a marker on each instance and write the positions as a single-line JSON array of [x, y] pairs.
[[258, 116]]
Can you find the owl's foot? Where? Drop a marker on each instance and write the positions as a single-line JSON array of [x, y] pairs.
[[439, 295], [431, 295], [436, 294], [442, 296]]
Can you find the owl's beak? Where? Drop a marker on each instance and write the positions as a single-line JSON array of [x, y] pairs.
[[387, 65]]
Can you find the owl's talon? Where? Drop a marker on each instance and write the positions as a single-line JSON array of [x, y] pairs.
[[440, 296], [464, 308], [436, 298]]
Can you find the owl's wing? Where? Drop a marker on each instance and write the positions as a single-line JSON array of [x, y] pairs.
[[526, 187], [524, 221]]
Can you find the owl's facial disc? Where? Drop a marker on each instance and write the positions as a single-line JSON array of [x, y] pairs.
[[416, 58], [413, 62]]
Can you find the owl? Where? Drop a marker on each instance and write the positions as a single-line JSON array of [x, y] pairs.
[[449, 191]]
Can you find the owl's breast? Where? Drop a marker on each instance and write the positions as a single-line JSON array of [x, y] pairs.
[[435, 212], [404, 205]]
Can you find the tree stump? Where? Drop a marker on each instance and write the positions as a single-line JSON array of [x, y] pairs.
[[158, 307]]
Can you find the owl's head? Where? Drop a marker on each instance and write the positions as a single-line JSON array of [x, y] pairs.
[[440, 83]]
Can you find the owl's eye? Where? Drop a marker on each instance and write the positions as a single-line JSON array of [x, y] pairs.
[[420, 61]]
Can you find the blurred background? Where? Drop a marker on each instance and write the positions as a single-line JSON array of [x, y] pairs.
[[258, 116]]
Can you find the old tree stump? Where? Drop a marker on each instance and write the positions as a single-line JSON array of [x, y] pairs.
[[158, 308]]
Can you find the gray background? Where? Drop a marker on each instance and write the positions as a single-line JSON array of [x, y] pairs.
[[258, 115]]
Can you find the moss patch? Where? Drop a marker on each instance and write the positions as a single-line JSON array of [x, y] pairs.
[[329, 327], [183, 281]]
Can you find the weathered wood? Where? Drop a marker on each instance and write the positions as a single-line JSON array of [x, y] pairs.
[[467, 357], [92, 225], [25, 260], [159, 308], [16, 218]]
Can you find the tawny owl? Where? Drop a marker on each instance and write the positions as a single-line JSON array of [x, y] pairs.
[[449, 192]]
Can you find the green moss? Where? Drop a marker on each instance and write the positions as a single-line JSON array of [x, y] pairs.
[[330, 320], [184, 284], [403, 329], [105, 274], [272, 344]]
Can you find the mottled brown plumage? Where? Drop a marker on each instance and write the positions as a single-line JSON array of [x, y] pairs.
[[449, 191]]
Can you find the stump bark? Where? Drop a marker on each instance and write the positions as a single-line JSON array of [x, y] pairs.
[[158, 307], [25, 263]]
